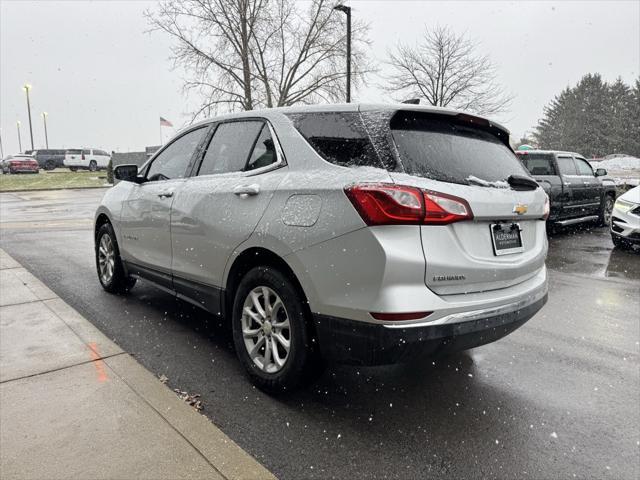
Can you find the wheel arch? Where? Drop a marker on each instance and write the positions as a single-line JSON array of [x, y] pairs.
[[248, 259]]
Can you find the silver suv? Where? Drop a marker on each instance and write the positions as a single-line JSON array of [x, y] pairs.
[[362, 234]]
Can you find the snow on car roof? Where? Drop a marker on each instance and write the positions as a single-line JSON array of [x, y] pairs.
[[345, 107]]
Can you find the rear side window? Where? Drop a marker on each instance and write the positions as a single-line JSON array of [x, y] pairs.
[[229, 148], [538, 163], [264, 151], [566, 166], [446, 150], [338, 137]]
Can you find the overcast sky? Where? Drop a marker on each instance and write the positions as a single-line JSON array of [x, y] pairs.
[[105, 82]]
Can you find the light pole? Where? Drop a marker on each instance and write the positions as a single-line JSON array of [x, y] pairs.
[[46, 137], [1, 149], [26, 88], [19, 138], [347, 11]]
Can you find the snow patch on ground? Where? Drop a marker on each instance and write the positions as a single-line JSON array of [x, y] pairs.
[[618, 163]]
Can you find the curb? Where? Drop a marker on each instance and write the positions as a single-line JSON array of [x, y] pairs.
[[55, 188]]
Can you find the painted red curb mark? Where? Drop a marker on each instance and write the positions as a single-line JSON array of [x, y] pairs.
[[99, 364]]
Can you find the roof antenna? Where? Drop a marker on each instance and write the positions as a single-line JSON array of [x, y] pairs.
[[412, 101]]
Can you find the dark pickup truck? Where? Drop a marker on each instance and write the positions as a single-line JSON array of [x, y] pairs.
[[576, 193]]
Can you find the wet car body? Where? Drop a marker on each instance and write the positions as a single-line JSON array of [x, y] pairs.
[[577, 193], [391, 258]]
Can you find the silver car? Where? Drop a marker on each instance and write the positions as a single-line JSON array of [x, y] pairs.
[[361, 234]]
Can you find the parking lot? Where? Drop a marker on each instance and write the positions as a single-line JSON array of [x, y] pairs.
[[557, 398]]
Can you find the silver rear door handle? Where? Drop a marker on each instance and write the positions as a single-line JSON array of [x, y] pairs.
[[166, 194], [247, 189]]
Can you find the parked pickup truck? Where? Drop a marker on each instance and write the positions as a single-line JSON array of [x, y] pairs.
[[576, 192]]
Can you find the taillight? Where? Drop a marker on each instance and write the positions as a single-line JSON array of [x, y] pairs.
[[442, 209], [387, 204], [390, 204], [547, 208]]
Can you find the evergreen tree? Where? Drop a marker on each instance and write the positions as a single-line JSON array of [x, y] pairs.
[[593, 118]]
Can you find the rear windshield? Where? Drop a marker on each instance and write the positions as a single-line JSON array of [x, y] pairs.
[[338, 137], [538, 163], [74, 152], [446, 150]]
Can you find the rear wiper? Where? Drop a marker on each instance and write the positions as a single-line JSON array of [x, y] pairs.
[[520, 182]]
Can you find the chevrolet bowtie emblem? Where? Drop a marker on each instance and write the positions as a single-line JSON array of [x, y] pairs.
[[520, 209]]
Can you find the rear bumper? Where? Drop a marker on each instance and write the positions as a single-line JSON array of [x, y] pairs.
[[361, 343]]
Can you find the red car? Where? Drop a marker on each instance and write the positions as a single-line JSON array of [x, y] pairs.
[[20, 163]]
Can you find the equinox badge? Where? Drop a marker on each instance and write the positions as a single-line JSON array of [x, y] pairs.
[[520, 209]]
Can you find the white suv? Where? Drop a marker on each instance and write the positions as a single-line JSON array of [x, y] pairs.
[[87, 158]]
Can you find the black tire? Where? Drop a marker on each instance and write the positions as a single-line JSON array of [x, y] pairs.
[[73, 169], [619, 242], [49, 165], [119, 282], [604, 218], [303, 363], [93, 166]]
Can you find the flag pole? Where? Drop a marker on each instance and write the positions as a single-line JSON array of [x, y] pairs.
[[160, 130]]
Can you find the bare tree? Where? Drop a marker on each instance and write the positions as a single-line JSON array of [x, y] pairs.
[[445, 70], [247, 54]]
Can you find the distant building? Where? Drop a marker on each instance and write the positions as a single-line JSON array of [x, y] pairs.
[[135, 158]]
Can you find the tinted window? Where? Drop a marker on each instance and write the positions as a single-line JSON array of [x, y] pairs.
[[338, 137], [449, 151], [86, 152], [229, 148], [566, 166], [172, 162], [74, 152], [583, 167], [264, 151], [538, 163]]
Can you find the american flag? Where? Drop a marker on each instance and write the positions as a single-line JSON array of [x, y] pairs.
[[165, 123]]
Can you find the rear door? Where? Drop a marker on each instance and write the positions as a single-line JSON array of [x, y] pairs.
[[571, 187], [146, 214], [592, 187], [505, 242], [221, 204]]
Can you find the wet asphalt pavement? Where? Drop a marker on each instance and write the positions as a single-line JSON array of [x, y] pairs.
[[558, 398]]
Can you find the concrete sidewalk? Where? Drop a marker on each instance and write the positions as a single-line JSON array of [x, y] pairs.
[[74, 405]]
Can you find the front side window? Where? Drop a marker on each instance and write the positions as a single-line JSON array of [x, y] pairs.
[[566, 166], [229, 149], [338, 137], [172, 162], [583, 167]]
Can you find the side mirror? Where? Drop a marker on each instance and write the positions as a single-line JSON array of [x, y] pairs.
[[601, 172], [128, 173]]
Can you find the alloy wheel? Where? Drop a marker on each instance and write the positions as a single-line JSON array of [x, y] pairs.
[[266, 329], [106, 258]]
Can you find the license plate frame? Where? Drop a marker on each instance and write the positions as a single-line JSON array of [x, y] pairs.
[[506, 246]]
